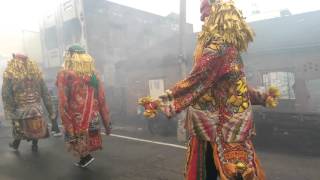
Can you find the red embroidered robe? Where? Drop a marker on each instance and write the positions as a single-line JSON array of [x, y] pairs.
[[219, 103], [82, 106]]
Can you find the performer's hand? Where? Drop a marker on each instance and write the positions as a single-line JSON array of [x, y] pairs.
[[108, 129], [273, 95], [63, 113], [274, 92]]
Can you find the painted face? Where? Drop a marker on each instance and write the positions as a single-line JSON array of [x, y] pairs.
[[205, 9]]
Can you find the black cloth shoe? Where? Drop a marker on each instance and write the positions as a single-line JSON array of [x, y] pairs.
[[15, 144], [79, 164], [85, 161], [88, 160]]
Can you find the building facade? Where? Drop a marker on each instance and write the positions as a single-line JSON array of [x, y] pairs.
[[109, 31]]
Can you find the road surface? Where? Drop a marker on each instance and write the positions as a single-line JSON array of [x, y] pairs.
[[129, 159]]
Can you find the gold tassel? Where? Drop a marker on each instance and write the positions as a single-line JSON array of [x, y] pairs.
[[82, 64], [21, 69], [226, 24]]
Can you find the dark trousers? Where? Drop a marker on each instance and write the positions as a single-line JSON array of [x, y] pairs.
[[16, 142], [55, 126], [211, 170]]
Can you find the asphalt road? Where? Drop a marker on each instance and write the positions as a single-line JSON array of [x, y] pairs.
[[123, 159]]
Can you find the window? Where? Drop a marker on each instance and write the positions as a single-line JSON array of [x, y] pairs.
[[283, 80], [67, 6], [71, 31]]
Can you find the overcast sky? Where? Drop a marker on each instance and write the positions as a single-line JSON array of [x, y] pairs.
[[26, 13], [18, 15], [164, 7]]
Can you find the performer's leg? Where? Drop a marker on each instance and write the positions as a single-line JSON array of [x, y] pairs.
[[17, 134], [15, 144], [34, 145], [55, 128], [211, 170]]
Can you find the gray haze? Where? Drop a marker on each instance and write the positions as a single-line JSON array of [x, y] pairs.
[[139, 51]]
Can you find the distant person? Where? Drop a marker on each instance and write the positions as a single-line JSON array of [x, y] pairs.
[[82, 104], [218, 99], [55, 130], [23, 89]]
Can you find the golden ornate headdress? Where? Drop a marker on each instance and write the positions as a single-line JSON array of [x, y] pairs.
[[77, 60], [224, 24], [21, 67]]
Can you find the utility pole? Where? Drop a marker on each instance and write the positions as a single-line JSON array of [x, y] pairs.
[[181, 132], [182, 35]]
